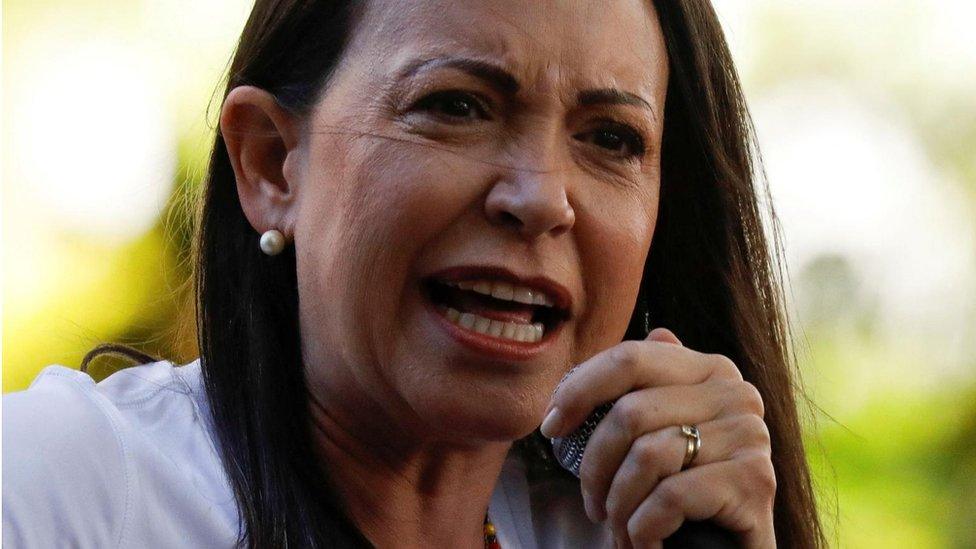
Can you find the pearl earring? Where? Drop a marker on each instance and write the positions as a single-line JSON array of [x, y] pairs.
[[272, 242]]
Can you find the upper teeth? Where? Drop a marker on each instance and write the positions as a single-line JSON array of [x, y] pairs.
[[505, 290]]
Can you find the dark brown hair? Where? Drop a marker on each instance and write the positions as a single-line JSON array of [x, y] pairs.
[[712, 276]]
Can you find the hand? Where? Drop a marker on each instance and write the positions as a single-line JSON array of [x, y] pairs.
[[631, 471]]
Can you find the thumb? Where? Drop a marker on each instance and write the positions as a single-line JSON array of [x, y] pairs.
[[663, 335]]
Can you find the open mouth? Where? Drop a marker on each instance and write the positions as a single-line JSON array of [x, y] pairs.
[[496, 309]]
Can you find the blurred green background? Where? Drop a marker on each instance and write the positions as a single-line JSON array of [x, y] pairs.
[[867, 122]]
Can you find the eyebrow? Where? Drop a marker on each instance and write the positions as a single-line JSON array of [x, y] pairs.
[[504, 82], [612, 96], [497, 77]]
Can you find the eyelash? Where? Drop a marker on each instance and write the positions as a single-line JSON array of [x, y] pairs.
[[427, 102], [631, 137]]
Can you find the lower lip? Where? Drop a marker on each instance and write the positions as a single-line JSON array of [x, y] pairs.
[[493, 346]]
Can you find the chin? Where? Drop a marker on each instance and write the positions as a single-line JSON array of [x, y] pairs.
[[475, 416]]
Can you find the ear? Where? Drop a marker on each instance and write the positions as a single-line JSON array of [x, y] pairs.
[[262, 141]]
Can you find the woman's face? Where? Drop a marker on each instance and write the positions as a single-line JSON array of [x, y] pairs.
[[518, 136]]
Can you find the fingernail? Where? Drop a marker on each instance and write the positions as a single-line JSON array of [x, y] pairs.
[[550, 425]]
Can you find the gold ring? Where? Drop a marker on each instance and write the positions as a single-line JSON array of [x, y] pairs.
[[694, 443]]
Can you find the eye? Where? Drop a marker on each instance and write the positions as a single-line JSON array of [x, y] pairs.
[[618, 138], [453, 105]]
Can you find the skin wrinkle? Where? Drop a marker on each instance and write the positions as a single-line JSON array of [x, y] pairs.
[[380, 169], [499, 46], [432, 146], [523, 121], [509, 165], [414, 428]]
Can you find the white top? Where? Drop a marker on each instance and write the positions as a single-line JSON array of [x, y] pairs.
[[131, 462]]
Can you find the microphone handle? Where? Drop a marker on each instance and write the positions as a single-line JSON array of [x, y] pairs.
[[691, 535]]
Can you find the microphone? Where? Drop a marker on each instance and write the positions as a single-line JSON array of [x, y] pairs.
[[568, 452]]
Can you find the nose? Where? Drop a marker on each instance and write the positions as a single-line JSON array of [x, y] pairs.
[[532, 201]]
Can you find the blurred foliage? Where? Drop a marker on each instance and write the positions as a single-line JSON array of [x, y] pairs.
[[138, 294], [893, 451], [903, 471], [895, 463]]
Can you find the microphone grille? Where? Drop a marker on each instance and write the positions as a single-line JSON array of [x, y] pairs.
[[568, 450]]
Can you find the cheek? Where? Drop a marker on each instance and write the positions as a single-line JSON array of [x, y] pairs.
[[614, 248], [365, 218]]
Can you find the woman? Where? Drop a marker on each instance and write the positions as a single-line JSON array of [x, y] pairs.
[[588, 165]]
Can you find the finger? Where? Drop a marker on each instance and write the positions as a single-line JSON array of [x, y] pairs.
[[651, 458], [647, 410], [698, 493], [663, 335], [632, 416], [624, 367], [736, 494], [656, 455]]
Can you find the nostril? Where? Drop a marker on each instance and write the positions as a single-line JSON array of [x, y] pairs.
[[530, 207], [510, 219]]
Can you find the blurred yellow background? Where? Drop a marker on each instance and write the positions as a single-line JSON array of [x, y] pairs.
[[867, 122]]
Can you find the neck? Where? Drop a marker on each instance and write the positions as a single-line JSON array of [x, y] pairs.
[[406, 490]]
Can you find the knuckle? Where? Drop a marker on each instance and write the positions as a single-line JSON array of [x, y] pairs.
[[648, 453], [757, 431], [751, 435], [753, 399], [763, 476], [668, 494], [628, 414], [769, 479], [724, 367], [770, 486], [728, 392], [625, 355], [742, 397]]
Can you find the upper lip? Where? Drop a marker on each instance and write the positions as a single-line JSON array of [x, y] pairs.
[[557, 292]]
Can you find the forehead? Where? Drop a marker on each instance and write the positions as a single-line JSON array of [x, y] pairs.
[[545, 43]]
